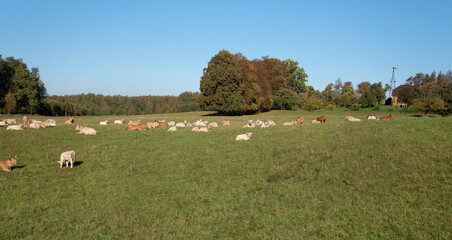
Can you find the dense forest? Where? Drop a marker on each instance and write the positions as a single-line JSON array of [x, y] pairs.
[[231, 84]]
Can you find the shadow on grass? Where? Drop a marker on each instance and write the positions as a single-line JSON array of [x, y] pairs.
[[19, 167], [78, 163], [420, 116]]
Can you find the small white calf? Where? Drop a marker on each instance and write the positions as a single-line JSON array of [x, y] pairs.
[[3, 123], [369, 117], [117, 121], [67, 157], [195, 129], [213, 124], [172, 129], [246, 136], [104, 123]]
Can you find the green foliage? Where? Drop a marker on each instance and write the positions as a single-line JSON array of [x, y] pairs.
[[313, 103], [372, 95], [221, 87], [296, 76], [236, 85], [10, 103], [286, 99], [356, 107], [25, 85]]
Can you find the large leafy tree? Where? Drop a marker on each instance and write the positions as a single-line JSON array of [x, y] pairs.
[[25, 85], [221, 87], [296, 76]]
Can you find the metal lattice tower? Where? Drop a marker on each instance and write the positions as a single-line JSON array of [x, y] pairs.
[[393, 82]]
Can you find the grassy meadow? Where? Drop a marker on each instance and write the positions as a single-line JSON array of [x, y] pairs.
[[340, 180]]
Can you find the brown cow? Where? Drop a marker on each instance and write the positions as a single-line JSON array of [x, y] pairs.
[[161, 123], [137, 127], [70, 121], [385, 117], [300, 120], [26, 121], [5, 166], [321, 119], [225, 123], [131, 122]]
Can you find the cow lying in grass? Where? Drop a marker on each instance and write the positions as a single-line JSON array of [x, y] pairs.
[[10, 121], [26, 121], [103, 123], [205, 129], [225, 123], [246, 136], [50, 123], [14, 127], [370, 117], [137, 127], [67, 157], [86, 130], [352, 119], [289, 123], [321, 119], [37, 125], [300, 120], [5, 166], [70, 121], [385, 117]]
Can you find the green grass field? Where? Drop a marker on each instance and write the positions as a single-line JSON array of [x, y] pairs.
[[340, 180]]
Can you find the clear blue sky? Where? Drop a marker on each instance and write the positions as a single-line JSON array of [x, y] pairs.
[[161, 47]]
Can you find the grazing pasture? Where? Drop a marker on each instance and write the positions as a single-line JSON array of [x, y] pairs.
[[387, 179]]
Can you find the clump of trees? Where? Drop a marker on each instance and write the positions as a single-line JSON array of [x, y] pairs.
[[21, 90], [431, 93], [232, 84]]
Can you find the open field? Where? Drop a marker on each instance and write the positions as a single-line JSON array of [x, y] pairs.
[[340, 180]]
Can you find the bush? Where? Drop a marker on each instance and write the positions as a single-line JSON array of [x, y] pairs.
[[313, 103], [330, 107], [286, 99], [356, 107]]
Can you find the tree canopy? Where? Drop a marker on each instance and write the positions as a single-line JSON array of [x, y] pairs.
[[232, 84]]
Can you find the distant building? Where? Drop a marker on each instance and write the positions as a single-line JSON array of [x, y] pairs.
[[396, 92]]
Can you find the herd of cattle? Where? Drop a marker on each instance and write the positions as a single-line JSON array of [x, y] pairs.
[[198, 126]]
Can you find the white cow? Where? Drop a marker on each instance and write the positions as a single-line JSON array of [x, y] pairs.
[[352, 119], [104, 123], [246, 136], [172, 129], [10, 121], [14, 127], [67, 157], [370, 117], [118, 121]]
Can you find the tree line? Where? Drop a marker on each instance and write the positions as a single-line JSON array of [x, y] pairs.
[[22, 91], [231, 84], [97, 104]]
